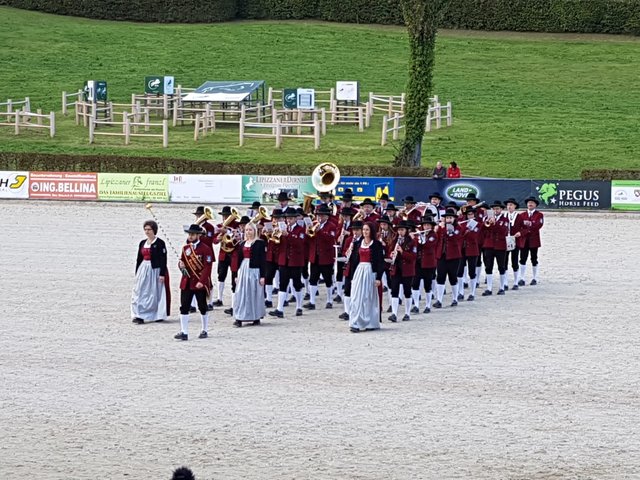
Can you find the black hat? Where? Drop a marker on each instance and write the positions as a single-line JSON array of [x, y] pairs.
[[323, 210], [452, 204], [385, 219], [408, 199], [194, 229], [469, 210], [384, 196], [277, 213], [199, 210], [367, 201], [348, 191], [282, 196], [497, 203], [226, 210], [532, 199], [290, 212], [428, 219], [325, 194], [435, 195], [300, 211], [256, 204], [405, 224], [356, 224], [512, 200], [391, 206], [347, 197], [348, 211], [472, 196], [244, 220], [410, 224], [450, 213]]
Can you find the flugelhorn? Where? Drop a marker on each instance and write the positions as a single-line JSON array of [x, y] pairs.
[[207, 215]]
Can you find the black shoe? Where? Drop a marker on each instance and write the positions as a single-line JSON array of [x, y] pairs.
[[426, 310], [275, 291], [203, 334], [354, 330], [385, 289], [268, 304], [306, 296], [237, 323], [515, 287], [217, 303], [228, 311], [286, 303], [533, 282], [181, 336], [393, 318], [139, 321], [389, 309], [256, 322], [292, 299], [160, 320], [406, 318], [506, 288], [454, 303], [337, 299], [500, 292], [209, 307], [466, 285], [437, 304], [486, 293], [299, 312], [329, 306], [310, 306], [460, 297], [192, 310], [276, 313], [343, 316], [470, 298], [521, 283], [415, 309]]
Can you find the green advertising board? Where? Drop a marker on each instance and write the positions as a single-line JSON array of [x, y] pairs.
[[290, 98], [158, 85], [625, 194], [267, 188], [139, 187]]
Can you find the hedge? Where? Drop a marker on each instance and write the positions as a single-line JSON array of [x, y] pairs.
[[607, 174], [17, 161], [162, 11]]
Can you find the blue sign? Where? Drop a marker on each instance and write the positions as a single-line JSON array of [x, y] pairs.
[[367, 187]]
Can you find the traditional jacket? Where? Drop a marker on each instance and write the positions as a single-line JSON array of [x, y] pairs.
[[198, 259]]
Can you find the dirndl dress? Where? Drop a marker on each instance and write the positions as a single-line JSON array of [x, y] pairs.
[[149, 297], [248, 300], [365, 301]]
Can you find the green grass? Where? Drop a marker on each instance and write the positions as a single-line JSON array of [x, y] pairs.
[[524, 105]]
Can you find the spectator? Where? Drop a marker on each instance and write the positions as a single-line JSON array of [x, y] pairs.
[[453, 171], [439, 171], [183, 473]]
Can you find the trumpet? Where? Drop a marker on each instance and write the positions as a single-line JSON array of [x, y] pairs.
[[358, 216], [313, 229]]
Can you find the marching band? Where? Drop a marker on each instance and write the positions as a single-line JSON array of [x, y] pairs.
[[415, 254]]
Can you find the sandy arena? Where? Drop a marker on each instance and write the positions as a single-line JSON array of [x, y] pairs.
[[543, 383]]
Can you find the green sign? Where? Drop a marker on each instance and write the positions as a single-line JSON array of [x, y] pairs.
[[625, 194], [267, 188], [290, 98], [158, 85], [139, 187], [95, 91]]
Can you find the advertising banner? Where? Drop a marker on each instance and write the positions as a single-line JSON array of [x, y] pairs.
[[569, 194], [457, 189], [63, 186], [625, 194], [366, 187], [205, 188], [141, 187], [266, 188], [14, 184]]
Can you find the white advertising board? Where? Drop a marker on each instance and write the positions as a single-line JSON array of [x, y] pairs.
[[14, 184], [205, 188]]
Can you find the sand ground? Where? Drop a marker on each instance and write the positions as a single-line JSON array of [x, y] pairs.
[[540, 383]]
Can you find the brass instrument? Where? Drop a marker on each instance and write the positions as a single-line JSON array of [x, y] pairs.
[[358, 216], [324, 178], [207, 215], [228, 242], [313, 229], [466, 206], [420, 206], [262, 214]]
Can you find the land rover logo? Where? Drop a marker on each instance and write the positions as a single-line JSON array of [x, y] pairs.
[[459, 191]]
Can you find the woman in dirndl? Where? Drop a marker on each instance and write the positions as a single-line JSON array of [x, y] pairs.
[[366, 291], [151, 297], [248, 301]]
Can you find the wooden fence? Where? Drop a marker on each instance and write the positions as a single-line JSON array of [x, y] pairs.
[[70, 99], [130, 128], [279, 131], [435, 114], [24, 120], [395, 129]]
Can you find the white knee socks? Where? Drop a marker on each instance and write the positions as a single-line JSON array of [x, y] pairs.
[[205, 322], [313, 289], [440, 292], [407, 306], [535, 272], [282, 296], [394, 305], [415, 294], [489, 281], [347, 304], [184, 324]]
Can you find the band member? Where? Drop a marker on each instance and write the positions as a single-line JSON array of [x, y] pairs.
[[195, 265], [253, 211], [450, 237], [368, 214], [350, 244], [343, 232], [383, 202], [472, 239], [532, 222], [283, 200], [410, 213], [392, 213], [428, 243], [496, 228], [474, 202], [290, 262], [402, 270], [366, 284], [151, 297], [387, 237], [248, 303], [321, 237], [224, 258], [437, 210], [238, 237], [209, 238], [347, 200], [273, 245], [327, 200], [515, 225]]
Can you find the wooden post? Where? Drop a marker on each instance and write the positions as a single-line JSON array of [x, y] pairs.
[[360, 119], [64, 103], [213, 121], [165, 133], [438, 116], [195, 130], [270, 95], [384, 131], [324, 121], [241, 129], [127, 128], [147, 119], [402, 99], [9, 109], [396, 126], [449, 115], [332, 108], [77, 112], [52, 124], [175, 114], [259, 111], [369, 112], [278, 133], [428, 125], [17, 123], [299, 117], [27, 104], [92, 129], [88, 112], [316, 134]]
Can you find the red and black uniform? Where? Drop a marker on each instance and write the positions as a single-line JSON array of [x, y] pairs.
[[403, 269], [198, 259], [273, 249], [450, 237], [209, 237], [322, 254], [471, 248], [515, 226], [291, 257], [428, 243], [228, 261], [500, 230], [529, 240]]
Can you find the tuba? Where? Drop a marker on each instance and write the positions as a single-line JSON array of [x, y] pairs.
[[228, 242], [324, 178], [207, 215]]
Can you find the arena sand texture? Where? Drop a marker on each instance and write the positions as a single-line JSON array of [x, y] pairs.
[[542, 383]]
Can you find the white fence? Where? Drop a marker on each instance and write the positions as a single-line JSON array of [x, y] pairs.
[[279, 131], [130, 128], [66, 102], [24, 120], [394, 129], [435, 114]]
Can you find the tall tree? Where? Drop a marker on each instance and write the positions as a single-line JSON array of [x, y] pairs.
[[421, 18]]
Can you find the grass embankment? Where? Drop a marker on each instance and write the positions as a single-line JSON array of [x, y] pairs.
[[524, 105]]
